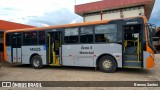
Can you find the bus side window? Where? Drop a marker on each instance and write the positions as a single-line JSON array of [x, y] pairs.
[[30, 38], [41, 37], [106, 33], [14, 43], [19, 41], [8, 40], [71, 36], [86, 35]]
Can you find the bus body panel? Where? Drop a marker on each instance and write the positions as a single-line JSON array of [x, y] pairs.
[[69, 54], [146, 55], [28, 51], [9, 55], [87, 54], [148, 60], [19, 54], [14, 57]]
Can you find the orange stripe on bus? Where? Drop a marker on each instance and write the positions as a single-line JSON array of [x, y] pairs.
[[5, 49], [61, 26], [150, 63]]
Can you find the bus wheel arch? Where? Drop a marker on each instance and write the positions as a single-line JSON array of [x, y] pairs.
[[36, 61], [111, 59]]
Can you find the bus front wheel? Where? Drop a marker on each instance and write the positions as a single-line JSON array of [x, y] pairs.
[[36, 62], [107, 64]]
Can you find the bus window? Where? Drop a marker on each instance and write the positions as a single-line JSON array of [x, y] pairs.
[[30, 38], [106, 33], [14, 43], [19, 41], [8, 40], [41, 37], [86, 35], [71, 35]]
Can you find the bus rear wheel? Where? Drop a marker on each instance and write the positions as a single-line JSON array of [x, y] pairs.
[[36, 62], [107, 64]]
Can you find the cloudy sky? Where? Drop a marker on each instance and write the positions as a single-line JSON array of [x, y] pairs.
[[50, 12]]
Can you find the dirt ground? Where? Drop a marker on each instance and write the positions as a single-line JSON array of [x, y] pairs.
[[10, 72]]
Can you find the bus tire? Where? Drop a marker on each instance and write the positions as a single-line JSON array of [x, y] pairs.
[[107, 64], [36, 62]]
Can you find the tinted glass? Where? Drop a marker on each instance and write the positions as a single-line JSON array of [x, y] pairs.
[[8, 39], [106, 33], [41, 37], [30, 38], [71, 35], [86, 35]]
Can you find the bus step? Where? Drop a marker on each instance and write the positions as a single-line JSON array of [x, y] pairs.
[[55, 65], [131, 57], [131, 67], [56, 62], [131, 63]]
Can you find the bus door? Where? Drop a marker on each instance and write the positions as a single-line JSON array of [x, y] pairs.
[[54, 48], [16, 48], [132, 53]]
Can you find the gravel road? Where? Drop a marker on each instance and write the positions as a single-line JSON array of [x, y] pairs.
[[10, 72]]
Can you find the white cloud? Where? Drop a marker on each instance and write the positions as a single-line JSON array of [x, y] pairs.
[[85, 1], [34, 7], [35, 12], [23, 11]]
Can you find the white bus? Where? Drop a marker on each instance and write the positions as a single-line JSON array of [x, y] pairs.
[[107, 45]]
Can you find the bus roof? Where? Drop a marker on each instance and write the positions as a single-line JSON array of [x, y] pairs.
[[68, 25]]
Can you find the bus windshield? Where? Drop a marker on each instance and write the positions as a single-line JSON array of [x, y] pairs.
[[151, 32]]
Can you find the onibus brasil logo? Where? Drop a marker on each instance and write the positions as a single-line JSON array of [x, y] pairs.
[[20, 84]]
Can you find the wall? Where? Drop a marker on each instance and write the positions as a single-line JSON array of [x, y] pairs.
[[111, 15], [132, 12], [115, 14], [92, 18]]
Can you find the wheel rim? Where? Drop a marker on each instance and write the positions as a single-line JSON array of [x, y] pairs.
[[36, 62], [107, 64]]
